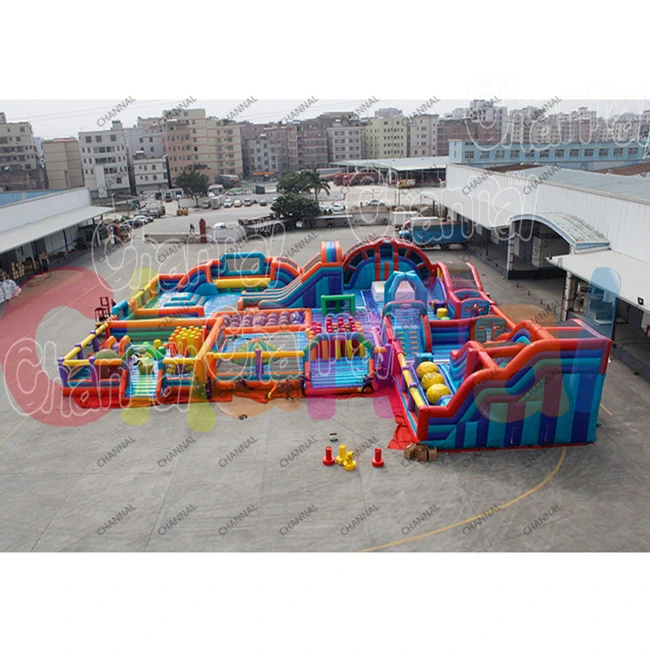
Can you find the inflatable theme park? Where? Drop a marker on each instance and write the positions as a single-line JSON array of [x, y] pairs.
[[377, 319]]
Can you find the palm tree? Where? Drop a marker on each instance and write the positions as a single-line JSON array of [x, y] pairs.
[[314, 181]]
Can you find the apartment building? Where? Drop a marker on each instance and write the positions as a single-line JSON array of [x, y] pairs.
[[386, 137], [484, 111], [20, 168], [422, 136], [63, 163], [264, 156], [145, 140], [17, 145], [345, 142], [464, 129], [194, 140], [104, 159], [150, 174]]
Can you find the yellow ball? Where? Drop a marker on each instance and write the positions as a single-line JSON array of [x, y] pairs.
[[157, 343], [435, 392], [425, 368], [431, 379]]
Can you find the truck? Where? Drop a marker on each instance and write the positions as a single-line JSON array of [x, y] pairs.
[[155, 209], [399, 218], [428, 232], [405, 183]]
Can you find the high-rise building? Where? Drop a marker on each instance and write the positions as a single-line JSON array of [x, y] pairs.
[[386, 137], [345, 142], [104, 159], [150, 174], [63, 163], [422, 136], [465, 129], [208, 144], [19, 160]]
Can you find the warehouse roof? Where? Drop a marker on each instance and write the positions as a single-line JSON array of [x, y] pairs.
[[398, 164], [633, 188], [29, 232], [578, 233]]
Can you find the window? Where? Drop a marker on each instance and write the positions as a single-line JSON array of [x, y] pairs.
[[469, 155], [603, 152], [113, 138], [544, 153], [499, 154], [618, 151], [98, 138], [88, 139], [514, 153], [632, 151], [574, 153], [589, 153], [530, 154], [559, 153]]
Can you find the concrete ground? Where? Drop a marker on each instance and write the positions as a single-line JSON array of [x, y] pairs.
[[247, 477]]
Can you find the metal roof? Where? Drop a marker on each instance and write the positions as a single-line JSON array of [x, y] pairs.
[[29, 232], [482, 213], [578, 233], [632, 275], [398, 164], [630, 188]]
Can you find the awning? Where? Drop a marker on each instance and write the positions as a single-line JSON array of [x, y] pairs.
[[29, 232], [579, 234], [630, 276]]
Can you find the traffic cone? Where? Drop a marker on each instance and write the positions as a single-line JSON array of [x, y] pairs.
[[341, 457], [328, 459], [349, 463], [377, 461]]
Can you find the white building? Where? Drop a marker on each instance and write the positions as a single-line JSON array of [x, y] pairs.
[[49, 225], [145, 142], [594, 227], [17, 147], [150, 174], [104, 158], [344, 142], [422, 136]]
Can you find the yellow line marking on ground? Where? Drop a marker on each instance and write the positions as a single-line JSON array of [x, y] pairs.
[[467, 521], [602, 406], [11, 433]]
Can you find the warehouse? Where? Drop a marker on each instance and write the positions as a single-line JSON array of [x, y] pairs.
[[591, 229], [39, 228]]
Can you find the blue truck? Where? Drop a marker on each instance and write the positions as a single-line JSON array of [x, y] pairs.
[[428, 232]]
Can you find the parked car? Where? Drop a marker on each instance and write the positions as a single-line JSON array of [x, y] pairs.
[[237, 204], [375, 202], [262, 202], [248, 202], [227, 203], [337, 207]]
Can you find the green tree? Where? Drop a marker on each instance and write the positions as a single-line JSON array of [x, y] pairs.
[[296, 207], [314, 181], [193, 183], [292, 183]]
